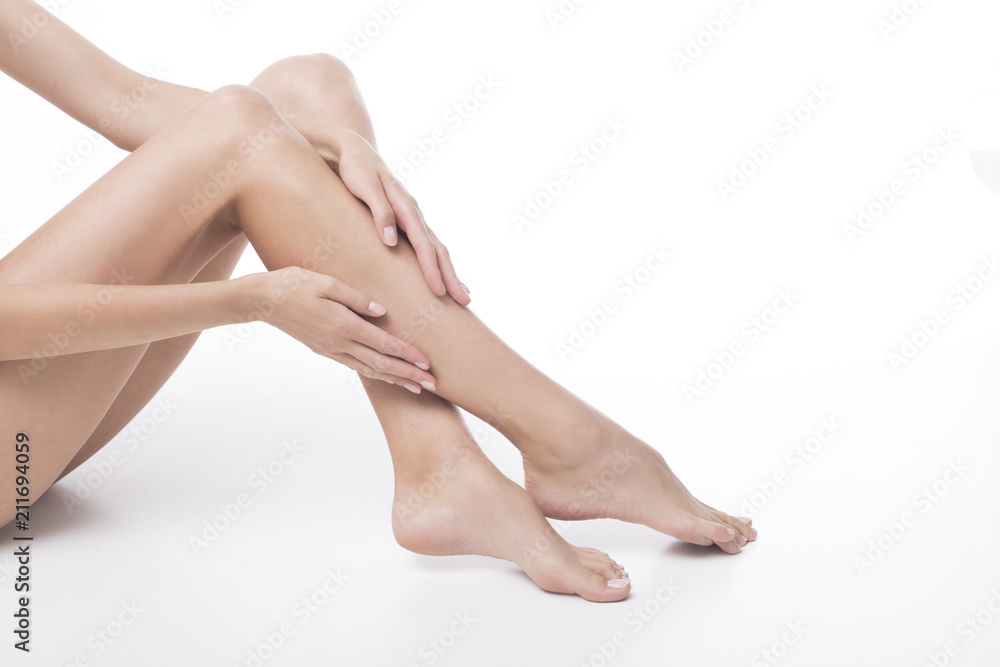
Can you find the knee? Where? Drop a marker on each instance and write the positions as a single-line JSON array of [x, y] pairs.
[[300, 79], [237, 113]]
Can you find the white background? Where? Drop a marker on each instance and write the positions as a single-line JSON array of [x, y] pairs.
[[240, 396]]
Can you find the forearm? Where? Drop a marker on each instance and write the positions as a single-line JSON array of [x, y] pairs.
[[56, 319], [317, 93], [50, 58]]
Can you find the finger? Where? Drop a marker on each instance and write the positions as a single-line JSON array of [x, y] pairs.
[[366, 371], [456, 288], [396, 370], [387, 345], [409, 218], [373, 194], [356, 300]]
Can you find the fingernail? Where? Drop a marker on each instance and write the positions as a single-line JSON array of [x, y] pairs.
[[389, 234], [376, 308], [422, 366], [412, 387], [429, 386], [618, 583], [465, 287]]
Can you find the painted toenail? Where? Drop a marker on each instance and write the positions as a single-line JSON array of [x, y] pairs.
[[618, 583]]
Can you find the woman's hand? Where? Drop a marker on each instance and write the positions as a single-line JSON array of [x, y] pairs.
[[328, 317], [368, 178], [318, 95]]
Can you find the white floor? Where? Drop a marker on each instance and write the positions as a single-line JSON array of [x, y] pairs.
[[322, 525], [878, 549]]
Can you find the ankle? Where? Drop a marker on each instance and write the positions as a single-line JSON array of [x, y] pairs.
[[573, 437]]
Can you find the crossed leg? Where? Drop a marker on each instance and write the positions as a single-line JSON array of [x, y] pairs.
[[284, 200]]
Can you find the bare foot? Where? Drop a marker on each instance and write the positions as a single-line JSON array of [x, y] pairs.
[[611, 474], [466, 506]]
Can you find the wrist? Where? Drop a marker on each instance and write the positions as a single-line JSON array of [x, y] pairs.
[[251, 296], [143, 107]]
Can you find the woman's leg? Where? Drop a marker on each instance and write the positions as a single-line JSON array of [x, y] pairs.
[[134, 221], [578, 464], [570, 450], [307, 82], [128, 227]]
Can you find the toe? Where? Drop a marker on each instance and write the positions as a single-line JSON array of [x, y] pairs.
[[718, 532], [597, 587], [747, 533]]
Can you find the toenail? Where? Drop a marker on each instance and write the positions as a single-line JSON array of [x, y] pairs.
[[617, 583]]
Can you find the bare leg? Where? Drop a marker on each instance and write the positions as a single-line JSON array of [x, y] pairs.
[[289, 205], [566, 444]]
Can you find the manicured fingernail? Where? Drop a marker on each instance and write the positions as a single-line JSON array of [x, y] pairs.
[[376, 308], [465, 287], [422, 366], [412, 387], [429, 386], [618, 583], [389, 234]]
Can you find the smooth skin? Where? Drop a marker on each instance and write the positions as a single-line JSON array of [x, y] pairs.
[[306, 188]]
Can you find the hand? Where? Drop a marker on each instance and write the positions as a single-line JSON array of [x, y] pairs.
[[328, 317], [368, 178]]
